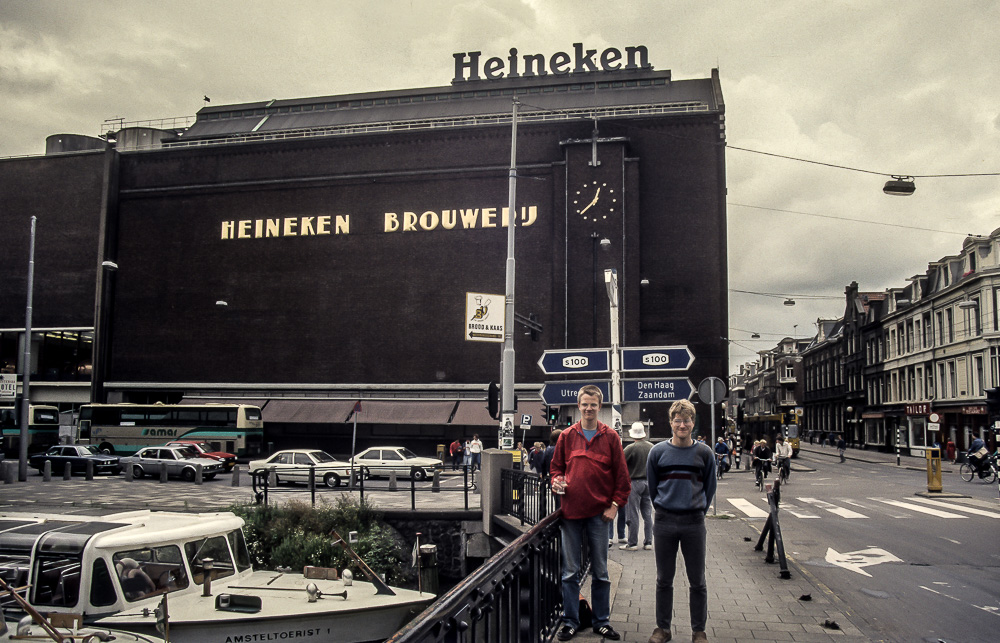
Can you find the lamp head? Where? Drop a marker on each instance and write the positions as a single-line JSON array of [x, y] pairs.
[[899, 186]]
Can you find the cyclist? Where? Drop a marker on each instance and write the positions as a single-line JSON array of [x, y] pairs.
[[761, 460], [783, 456], [977, 455], [722, 455]]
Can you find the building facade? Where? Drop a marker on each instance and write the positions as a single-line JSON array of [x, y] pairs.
[[308, 254]]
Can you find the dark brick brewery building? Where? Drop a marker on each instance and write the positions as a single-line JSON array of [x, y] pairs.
[[305, 254]]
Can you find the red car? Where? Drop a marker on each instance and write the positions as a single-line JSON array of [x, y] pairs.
[[205, 450]]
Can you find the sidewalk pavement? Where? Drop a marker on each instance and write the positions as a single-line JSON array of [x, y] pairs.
[[747, 600], [915, 463]]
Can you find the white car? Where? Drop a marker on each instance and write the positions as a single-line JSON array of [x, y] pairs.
[[380, 461], [293, 465]]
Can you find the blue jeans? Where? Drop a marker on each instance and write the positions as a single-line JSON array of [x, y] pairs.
[[574, 532], [622, 522], [640, 504]]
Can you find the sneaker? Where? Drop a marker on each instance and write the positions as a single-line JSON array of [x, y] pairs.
[[623, 540], [607, 632], [611, 543], [647, 547], [566, 632], [699, 636], [629, 547], [659, 635]]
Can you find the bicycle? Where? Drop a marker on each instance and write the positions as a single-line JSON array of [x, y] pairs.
[[758, 473], [783, 466], [987, 471]]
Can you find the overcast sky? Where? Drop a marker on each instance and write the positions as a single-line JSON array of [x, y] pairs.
[[909, 87]]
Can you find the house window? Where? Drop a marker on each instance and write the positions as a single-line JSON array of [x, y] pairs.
[[950, 325], [977, 375], [942, 383]]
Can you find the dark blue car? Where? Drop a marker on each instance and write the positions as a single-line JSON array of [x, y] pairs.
[[77, 455]]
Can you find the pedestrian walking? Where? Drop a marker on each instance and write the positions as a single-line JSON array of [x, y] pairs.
[[588, 469], [951, 450], [681, 478], [467, 454], [476, 447], [456, 454], [639, 502], [841, 447]]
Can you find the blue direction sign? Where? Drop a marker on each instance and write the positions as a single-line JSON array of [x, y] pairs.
[[657, 389], [561, 393], [657, 358], [584, 360]]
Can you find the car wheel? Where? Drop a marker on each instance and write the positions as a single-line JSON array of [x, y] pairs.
[[209, 476], [332, 480], [418, 474], [107, 448], [187, 475], [137, 472]]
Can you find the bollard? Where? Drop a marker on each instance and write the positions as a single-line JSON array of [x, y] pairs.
[[129, 473], [429, 569], [90, 470], [163, 472], [9, 468], [47, 471], [236, 477], [933, 469], [436, 482], [68, 472], [272, 477], [392, 481], [199, 474]]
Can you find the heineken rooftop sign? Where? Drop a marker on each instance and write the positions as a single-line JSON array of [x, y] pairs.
[[471, 66]]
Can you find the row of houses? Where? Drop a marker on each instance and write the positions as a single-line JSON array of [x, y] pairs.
[[909, 366]]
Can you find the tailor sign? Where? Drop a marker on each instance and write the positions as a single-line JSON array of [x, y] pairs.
[[660, 389], [564, 393], [657, 358], [584, 360]]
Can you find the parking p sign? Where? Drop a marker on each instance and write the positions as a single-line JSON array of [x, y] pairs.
[[8, 386]]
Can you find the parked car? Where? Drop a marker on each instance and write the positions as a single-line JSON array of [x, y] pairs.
[[293, 465], [205, 449], [381, 461], [77, 455], [181, 463]]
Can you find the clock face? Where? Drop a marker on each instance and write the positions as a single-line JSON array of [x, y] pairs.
[[595, 201]]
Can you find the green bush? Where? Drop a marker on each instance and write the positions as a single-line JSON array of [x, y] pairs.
[[295, 534]]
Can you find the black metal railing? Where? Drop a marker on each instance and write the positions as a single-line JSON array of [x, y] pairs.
[[526, 496], [515, 596], [263, 488]]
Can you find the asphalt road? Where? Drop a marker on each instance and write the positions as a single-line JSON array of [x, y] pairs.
[[907, 568]]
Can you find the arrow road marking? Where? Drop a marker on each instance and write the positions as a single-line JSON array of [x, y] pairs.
[[751, 510], [918, 508], [834, 509], [855, 560], [956, 507]]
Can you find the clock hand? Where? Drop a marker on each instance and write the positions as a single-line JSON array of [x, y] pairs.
[[593, 202]]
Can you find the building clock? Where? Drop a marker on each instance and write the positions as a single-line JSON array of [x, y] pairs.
[[595, 201]]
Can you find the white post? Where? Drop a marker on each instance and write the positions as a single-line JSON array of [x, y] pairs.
[[507, 410], [611, 283]]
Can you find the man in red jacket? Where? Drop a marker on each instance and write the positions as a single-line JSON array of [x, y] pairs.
[[588, 467]]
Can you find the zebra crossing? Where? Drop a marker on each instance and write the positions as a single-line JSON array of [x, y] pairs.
[[808, 508]]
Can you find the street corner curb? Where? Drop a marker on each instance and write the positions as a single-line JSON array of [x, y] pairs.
[[721, 516], [940, 494]]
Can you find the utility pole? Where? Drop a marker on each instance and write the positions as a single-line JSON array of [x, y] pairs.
[[507, 410]]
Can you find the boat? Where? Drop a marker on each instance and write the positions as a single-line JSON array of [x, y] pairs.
[[191, 574]]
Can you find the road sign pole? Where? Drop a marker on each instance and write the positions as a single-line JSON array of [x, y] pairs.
[[611, 282]]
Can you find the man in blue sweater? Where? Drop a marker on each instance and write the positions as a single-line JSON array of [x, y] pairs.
[[681, 477]]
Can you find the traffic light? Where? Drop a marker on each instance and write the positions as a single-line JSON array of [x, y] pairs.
[[552, 415], [493, 400], [993, 403]]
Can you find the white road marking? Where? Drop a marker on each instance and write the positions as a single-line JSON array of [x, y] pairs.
[[797, 512], [918, 508], [750, 509], [995, 611], [950, 540], [834, 509], [939, 593], [957, 507], [855, 560]]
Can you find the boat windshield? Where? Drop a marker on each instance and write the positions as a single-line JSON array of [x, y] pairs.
[[149, 571], [239, 546], [216, 548]]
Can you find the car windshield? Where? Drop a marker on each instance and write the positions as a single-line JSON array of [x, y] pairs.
[[406, 453], [188, 452], [91, 449], [322, 456]]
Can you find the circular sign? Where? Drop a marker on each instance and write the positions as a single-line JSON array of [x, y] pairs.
[[711, 390], [934, 417]]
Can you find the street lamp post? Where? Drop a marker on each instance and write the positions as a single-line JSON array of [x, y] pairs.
[[507, 410], [22, 450]]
